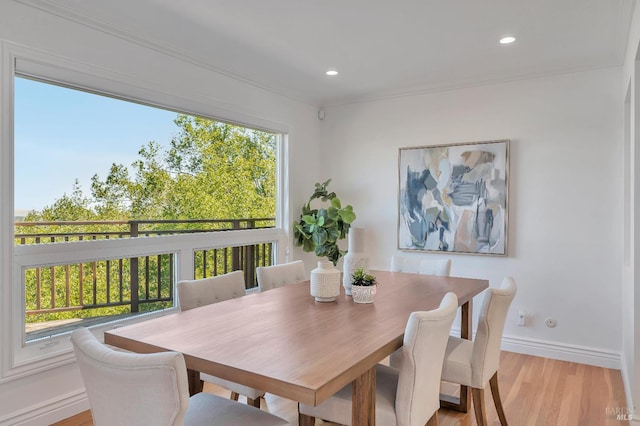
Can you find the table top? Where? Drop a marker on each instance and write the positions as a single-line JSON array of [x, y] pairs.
[[284, 342]]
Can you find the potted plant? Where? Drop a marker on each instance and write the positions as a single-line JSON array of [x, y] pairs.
[[320, 229], [363, 286]]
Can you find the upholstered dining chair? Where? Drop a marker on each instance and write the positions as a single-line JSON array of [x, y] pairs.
[[475, 363], [410, 394], [270, 277], [411, 265], [441, 267], [205, 291], [126, 388]]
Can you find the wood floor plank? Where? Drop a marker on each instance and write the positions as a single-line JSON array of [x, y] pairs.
[[558, 387], [535, 391]]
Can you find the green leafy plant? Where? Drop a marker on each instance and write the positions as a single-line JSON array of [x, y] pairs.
[[319, 230], [360, 277]]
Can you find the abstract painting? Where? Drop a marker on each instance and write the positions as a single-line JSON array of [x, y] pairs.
[[453, 198]]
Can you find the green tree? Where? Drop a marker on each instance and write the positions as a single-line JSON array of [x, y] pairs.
[[111, 196], [220, 171], [152, 183], [210, 170], [74, 207]]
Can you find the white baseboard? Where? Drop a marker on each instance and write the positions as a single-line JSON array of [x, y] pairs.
[[48, 412], [561, 351], [564, 352]]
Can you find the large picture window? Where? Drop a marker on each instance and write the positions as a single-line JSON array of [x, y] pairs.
[[115, 200]]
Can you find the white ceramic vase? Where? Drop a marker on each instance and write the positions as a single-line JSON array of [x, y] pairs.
[[363, 293], [325, 282], [355, 257]]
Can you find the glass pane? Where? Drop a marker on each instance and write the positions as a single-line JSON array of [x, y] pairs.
[[62, 297], [86, 157], [94, 167]]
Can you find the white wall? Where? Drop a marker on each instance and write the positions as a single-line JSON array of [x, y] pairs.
[[46, 397], [630, 90], [565, 196]]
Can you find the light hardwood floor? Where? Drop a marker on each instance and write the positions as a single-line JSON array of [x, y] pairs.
[[535, 391]]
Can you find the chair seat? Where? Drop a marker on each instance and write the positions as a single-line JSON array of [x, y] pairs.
[[337, 408], [457, 361], [247, 391], [206, 409]]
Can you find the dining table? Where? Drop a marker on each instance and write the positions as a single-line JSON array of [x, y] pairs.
[[285, 343]]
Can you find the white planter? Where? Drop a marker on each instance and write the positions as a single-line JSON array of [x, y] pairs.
[[363, 293], [325, 282], [355, 257]]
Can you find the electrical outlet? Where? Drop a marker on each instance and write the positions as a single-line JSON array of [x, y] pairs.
[[522, 318]]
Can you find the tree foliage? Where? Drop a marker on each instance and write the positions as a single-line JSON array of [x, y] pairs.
[[210, 170]]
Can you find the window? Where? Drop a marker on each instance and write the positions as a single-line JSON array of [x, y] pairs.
[[116, 200]]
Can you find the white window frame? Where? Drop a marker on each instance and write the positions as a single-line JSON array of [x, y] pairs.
[[18, 359]]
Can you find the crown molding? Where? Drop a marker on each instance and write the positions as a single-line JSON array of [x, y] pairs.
[[419, 90]]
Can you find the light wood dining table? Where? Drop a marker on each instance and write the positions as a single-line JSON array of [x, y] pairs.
[[284, 342]]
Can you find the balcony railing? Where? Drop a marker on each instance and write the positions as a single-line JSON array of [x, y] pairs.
[[128, 284]]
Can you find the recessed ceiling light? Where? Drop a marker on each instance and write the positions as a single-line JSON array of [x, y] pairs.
[[507, 40], [332, 72]]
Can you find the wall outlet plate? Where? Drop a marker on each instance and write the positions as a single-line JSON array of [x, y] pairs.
[[522, 317]]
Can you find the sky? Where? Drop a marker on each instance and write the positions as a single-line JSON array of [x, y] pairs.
[[62, 135]]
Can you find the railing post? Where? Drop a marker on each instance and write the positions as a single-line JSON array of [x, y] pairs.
[[235, 251], [133, 268], [250, 261], [52, 270]]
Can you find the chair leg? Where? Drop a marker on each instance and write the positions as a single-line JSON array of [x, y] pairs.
[[433, 421], [234, 396], [495, 392], [478, 406], [254, 402]]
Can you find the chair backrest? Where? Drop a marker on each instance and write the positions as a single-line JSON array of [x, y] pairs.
[[440, 267], [270, 277], [205, 291], [485, 359], [405, 264], [411, 265], [130, 388], [420, 362]]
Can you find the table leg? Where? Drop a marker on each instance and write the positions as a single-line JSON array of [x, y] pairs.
[[465, 326], [363, 411], [304, 420], [462, 404], [465, 332], [195, 384]]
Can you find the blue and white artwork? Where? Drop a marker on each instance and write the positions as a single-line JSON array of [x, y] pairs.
[[453, 198]]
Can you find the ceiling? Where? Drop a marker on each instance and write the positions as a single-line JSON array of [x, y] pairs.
[[380, 47]]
